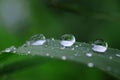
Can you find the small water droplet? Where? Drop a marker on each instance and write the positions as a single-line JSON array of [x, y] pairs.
[[76, 46], [64, 57], [7, 50], [47, 54], [73, 48], [52, 39], [90, 64], [29, 52], [38, 39], [99, 46], [118, 55], [110, 57], [89, 54], [67, 40], [10, 49]]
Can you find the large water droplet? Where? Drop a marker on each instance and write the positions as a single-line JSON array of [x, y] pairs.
[[99, 46], [67, 40], [38, 39]]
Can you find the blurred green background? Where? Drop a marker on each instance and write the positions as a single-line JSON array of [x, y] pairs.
[[86, 19]]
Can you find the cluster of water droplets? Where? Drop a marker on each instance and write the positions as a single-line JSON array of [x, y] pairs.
[[67, 41]]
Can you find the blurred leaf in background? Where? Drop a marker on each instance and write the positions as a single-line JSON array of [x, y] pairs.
[[86, 19]]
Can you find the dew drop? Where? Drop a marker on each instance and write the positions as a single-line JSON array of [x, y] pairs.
[[73, 48], [38, 39], [118, 55], [52, 39], [29, 52], [89, 54], [10, 49], [110, 57], [67, 40], [90, 64], [7, 50], [76, 46], [47, 54], [99, 46], [64, 57]]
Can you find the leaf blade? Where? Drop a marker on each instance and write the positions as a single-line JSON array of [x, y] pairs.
[[100, 60]]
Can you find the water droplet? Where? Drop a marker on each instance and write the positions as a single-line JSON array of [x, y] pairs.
[[29, 52], [118, 55], [67, 40], [38, 39], [99, 46], [47, 54], [110, 57], [76, 46], [11, 49], [52, 39], [89, 54], [64, 57], [90, 64], [7, 50], [73, 48]]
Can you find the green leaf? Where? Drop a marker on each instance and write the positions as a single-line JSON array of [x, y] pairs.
[[52, 50]]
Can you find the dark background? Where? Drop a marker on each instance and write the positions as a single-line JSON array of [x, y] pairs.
[[86, 19]]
